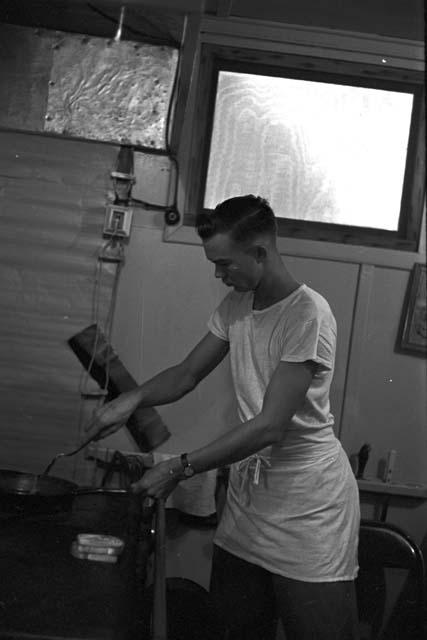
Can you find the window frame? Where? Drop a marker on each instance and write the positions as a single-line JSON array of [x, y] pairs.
[[218, 57]]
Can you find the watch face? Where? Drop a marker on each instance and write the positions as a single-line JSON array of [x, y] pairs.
[[188, 471]]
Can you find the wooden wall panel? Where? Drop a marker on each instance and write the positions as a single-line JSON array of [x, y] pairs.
[[52, 197], [386, 396]]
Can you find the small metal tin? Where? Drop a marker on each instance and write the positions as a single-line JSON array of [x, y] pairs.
[[100, 540], [97, 557]]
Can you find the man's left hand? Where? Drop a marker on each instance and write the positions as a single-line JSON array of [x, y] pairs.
[[160, 480]]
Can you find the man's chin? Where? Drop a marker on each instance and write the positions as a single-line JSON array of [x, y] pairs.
[[240, 288]]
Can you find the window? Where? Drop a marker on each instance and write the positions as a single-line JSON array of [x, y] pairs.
[[336, 147]]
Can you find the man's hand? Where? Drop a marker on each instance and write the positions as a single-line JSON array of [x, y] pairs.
[[113, 415], [160, 480]]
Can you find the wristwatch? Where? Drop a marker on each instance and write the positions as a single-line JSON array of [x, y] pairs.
[[186, 466]]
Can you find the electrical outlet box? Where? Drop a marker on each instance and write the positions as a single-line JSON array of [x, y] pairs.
[[118, 220]]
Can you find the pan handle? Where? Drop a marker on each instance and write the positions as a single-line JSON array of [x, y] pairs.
[[81, 446], [159, 621], [83, 491]]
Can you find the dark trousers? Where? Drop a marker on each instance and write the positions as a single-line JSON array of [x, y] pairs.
[[248, 601]]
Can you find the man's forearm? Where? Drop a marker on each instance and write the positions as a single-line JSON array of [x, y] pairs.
[[239, 443], [167, 386]]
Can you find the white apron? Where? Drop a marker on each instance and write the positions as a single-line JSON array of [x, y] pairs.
[[296, 516], [294, 507]]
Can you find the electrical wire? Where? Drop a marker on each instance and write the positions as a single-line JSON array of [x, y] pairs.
[[118, 35], [102, 393], [112, 307], [102, 258], [171, 155], [162, 207], [172, 101], [150, 205], [165, 38], [95, 320]]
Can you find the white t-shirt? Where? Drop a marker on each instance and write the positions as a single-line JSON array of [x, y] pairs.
[[292, 507], [298, 328]]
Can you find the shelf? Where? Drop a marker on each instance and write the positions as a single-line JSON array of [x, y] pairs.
[[409, 489]]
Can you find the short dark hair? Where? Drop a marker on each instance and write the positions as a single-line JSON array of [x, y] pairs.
[[245, 217]]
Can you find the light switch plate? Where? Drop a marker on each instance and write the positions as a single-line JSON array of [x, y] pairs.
[[118, 220]]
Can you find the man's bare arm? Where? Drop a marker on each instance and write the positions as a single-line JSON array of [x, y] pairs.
[[165, 387]]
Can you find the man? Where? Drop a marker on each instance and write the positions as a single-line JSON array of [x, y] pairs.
[[287, 540]]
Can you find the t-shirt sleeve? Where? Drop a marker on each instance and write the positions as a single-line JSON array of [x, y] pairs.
[[219, 322], [313, 339]]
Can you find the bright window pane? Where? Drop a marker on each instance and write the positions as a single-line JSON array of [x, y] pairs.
[[317, 151]]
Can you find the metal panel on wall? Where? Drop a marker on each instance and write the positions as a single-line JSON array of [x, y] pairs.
[[85, 87], [388, 394]]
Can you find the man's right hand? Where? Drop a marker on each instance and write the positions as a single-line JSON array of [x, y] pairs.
[[112, 416]]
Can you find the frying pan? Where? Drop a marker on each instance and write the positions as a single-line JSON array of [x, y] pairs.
[[22, 492]]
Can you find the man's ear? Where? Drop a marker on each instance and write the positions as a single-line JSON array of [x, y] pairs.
[[258, 251]]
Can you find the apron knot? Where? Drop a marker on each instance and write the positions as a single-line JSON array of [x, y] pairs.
[[253, 463]]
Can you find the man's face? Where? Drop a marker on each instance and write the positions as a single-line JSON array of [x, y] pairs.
[[235, 264]]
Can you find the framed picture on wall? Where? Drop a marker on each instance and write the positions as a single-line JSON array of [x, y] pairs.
[[414, 318]]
